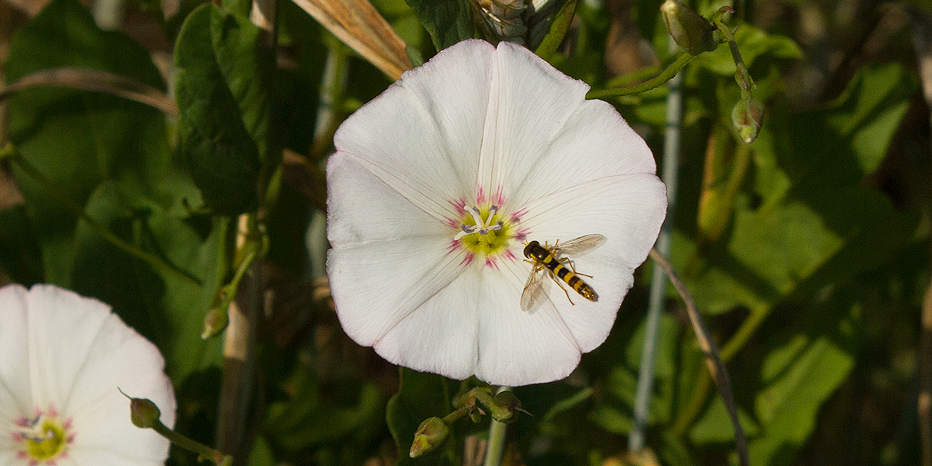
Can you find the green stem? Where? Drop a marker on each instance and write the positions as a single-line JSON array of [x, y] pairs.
[[456, 415], [657, 81], [742, 76], [496, 446], [154, 261], [203, 451]]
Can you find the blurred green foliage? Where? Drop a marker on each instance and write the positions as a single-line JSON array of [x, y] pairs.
[[807, 250]]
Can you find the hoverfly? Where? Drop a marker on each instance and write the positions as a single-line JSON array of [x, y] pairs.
[[549, 258]]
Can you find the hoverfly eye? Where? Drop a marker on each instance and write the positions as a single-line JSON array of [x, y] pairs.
[[530, 246]]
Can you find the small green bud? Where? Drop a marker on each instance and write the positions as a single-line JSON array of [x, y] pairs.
[[215, 322], [143, 413], [429, 436], [748, 115], [689, 30], [506, 407]]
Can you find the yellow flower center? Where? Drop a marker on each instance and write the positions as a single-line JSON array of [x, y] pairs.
[[485, 231], [43, 438]]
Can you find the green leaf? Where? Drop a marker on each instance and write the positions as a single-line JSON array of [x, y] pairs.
[[754, 44], [849, 138], [447, 21], [807, 365], [419, 397], [614, 412], [223, 95], [312, 416], [816, 223], [165, 307], [80, 139]]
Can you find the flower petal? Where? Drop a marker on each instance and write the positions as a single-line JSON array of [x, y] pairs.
[[595, 143], [627, 209], [629, 212], [376, 285], [516, 347], [80, 355], [422, 135], [440, 336], [15, 389], [120, 359], [388, 215], [530, 103], [62, 327], [98, 457]]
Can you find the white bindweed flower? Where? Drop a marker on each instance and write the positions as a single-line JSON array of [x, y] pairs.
[[437, 185], [63, 360]]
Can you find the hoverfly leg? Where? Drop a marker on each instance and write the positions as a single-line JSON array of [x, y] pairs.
[[560, 284]]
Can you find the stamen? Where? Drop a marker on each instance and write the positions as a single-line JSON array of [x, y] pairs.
[[482, 222], [477, 216], [480, 225]]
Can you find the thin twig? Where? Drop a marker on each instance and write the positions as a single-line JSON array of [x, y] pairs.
[[713, 360], [95, 81]]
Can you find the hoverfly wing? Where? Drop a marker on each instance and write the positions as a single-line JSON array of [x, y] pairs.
[[581, 244], [533, 289]]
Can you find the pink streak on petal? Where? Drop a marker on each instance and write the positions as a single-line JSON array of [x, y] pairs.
[[467, 259], [459, 205], [480, 195], [521, 234], [453, 223], [499, 197], [509, 255], [491, 263], [516, 215]]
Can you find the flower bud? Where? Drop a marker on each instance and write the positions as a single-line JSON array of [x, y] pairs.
[[506, 407], [143, 413], [215, 322], [429, 436], [689, 30], [747, 115]]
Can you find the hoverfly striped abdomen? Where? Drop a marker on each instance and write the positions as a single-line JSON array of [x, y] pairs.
[[544, 257]]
